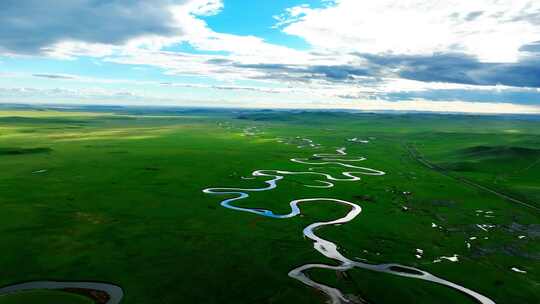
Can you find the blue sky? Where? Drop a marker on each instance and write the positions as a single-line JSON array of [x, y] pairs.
[[465, 56]]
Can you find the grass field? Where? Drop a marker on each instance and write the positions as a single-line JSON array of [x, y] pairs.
[[40, 296], [116, 196]]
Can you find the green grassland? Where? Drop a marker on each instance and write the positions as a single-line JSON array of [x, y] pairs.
[[115, 196], [45, 296]]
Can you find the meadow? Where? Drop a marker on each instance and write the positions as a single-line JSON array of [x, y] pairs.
[[115, 195]]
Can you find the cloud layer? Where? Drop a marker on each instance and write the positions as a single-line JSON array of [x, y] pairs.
[[492, 30], [33, 26], [386, 51]]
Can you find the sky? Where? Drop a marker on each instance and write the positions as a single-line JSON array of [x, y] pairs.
[[479, 56]]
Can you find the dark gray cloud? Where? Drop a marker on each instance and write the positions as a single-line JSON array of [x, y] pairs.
[[341, 72], [473, 15], [533, 18], [459, 68], [53, 76], [219, 61], [531, 47], [445, 67], [454, 68], [451, 68], [28, 26], [328, 72]]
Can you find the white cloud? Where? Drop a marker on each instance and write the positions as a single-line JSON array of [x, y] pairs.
[[235, 88], [493, 30], [203, 7], [336, 71]]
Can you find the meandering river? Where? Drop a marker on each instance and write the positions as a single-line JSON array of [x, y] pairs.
[[325, 247]]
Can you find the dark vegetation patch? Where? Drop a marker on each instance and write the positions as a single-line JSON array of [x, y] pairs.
[[121, 117], [365, 198], [23, 151], [499, 152], [265, 117], [512, 249], [65, 128], [460, 166], [299, 116], [41, 120], [531, 230], [27, 131], [443, 203], [99, 146], [480, 158]]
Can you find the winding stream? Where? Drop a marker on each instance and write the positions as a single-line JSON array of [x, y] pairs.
[[325, 247]]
